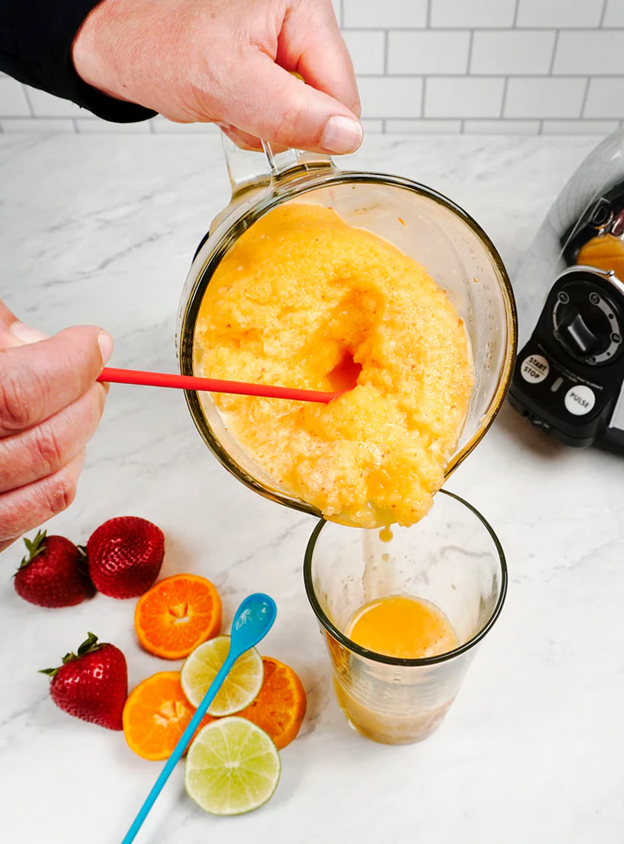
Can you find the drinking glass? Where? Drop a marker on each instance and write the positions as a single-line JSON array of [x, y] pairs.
[[453, 559]]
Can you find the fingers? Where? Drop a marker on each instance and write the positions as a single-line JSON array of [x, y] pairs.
[[43, 450], [40, 379], [29, 506], [286, 112], [50, 406], [311, 44]]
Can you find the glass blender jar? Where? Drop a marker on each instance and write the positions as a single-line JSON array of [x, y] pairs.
[[422, 223]]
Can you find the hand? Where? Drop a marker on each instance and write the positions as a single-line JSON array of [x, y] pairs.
[[50, 406], [229, 62]]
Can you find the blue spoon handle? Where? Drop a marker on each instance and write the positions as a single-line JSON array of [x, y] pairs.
[[180, 747]]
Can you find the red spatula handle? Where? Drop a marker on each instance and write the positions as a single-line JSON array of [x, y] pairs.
[[211, 385]]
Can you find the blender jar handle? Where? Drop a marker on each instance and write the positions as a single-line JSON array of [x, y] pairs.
[[251, 170], [290, 162]]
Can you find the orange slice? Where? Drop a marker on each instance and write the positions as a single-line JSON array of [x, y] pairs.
[[177, 614], [156, 714], [280, 705]]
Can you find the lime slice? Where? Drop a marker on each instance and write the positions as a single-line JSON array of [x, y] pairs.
[[232, 767], [241, 685]]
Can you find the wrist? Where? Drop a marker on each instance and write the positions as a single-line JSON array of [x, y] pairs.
[[93, 50]]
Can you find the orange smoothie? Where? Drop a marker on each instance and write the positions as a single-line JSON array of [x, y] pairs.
[[402, 626], [383, 702], [303, 299]]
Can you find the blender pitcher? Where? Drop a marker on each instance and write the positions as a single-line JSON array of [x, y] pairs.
[[422, 223]]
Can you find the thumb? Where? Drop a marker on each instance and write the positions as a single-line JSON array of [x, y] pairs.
[[284, 111], [38, 379]]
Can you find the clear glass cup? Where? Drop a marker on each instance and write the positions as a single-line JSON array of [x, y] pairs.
[[429, 227], [453, 559]]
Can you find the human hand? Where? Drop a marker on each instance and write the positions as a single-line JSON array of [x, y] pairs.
[[229, 62], [50, 406]]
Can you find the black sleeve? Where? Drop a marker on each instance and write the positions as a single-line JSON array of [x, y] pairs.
[[36, 38]]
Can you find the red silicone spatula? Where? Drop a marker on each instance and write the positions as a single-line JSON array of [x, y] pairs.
[[212, 385]]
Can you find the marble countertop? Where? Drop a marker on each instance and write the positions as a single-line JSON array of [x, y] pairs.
[[102, 229]]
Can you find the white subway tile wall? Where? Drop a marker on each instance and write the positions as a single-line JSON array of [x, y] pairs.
[[472, 13], [396, 96], [605, 97], [368, 50], [384, 14], [559, 13], [13, 100], [501, 127], [464, 97], [614, 13], [428, 52], [537, 97], [439, 67], [511, 53]]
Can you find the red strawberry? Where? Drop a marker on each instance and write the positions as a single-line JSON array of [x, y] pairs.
[[125, 556], [92, 685], [53, 574]]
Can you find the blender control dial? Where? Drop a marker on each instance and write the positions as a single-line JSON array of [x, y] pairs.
[[586, 324]]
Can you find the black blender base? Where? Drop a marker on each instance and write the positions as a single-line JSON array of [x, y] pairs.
[[545, 426]]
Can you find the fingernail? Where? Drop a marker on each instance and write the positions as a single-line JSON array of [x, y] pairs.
[[342, 134], [106, 346], [25, 334]]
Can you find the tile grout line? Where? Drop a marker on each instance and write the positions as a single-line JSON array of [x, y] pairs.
[[483, 27], [386, 52], [554, 53], [470, 43], [504, 98], [515, 17], [585, 96], [603, 15], [523, 75], [428, 14]]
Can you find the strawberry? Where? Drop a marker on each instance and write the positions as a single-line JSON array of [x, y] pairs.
[[53, 574], [93, 684], [125, 556]]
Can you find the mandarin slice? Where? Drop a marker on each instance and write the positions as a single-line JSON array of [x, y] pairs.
[[177, 614], [156, 714], [280, 705]]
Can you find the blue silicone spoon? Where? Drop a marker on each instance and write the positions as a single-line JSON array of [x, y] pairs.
[[253, 620]]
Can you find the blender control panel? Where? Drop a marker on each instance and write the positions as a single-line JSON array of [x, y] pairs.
[[569, 377]]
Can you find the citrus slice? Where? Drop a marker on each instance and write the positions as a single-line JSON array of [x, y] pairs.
[[280, 705], [241, 685], [232, 767], [177, 614], [156, 714]]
